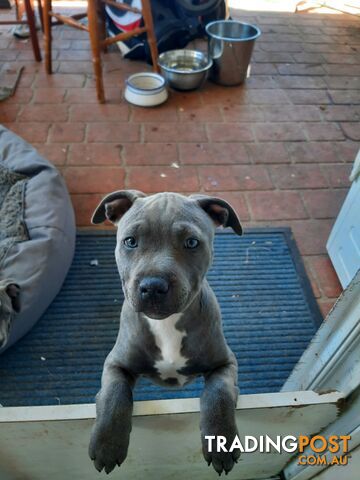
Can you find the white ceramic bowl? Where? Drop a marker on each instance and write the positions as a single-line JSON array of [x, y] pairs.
[[146, 89]]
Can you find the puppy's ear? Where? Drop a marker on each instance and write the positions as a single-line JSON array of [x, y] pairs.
[[220, 211], [13, 291], [115, 205]]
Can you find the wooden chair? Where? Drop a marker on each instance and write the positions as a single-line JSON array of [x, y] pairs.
[[97, 31], [30, 21]]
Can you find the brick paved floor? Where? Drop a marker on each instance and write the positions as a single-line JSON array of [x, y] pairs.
[[279, 148]]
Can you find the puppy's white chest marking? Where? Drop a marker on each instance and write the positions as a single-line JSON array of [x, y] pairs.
[[169, 340]]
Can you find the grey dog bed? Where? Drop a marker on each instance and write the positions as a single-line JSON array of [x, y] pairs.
[[37, 238]]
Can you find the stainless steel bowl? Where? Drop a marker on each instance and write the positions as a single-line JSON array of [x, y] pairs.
[[184, 69]]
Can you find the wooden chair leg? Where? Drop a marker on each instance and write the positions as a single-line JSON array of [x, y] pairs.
[[148, 21], [19, 10], [40, 11], [95, 42], [47, 35], [32, 27]]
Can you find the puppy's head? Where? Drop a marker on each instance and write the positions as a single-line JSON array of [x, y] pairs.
[[164, 245], [9, 305]]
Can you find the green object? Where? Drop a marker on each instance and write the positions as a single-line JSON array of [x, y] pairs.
[[9, 80]]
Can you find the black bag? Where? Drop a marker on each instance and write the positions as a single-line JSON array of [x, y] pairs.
[[176, 23], [201, 8]]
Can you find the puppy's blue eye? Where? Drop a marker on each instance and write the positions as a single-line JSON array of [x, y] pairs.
[[130, 242], [191, 243]]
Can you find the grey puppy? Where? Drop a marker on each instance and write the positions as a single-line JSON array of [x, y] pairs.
[[9, 306], [170, 324]]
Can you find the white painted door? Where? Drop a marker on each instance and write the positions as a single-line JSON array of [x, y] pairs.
[[343, 245]]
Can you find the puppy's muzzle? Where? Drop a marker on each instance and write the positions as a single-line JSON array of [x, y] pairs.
[[153, 289], [155, 297]]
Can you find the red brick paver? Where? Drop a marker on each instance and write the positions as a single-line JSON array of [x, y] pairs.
[[279, 148]]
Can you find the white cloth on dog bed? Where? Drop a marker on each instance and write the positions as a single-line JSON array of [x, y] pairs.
[[38, 264]]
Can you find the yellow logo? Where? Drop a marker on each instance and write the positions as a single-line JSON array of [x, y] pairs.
[[337, 447]]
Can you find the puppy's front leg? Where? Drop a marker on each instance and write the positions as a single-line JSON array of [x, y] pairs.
[[217, 415], [111, 432]]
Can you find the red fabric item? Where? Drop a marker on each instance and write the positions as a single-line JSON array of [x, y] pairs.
[[129, 27]]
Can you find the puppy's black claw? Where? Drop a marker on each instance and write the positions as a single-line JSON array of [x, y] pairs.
[[209, 463]]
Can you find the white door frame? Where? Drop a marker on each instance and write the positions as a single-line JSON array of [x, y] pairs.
[[332, 362]]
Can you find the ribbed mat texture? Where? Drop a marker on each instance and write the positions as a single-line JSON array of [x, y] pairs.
[[268, 313]]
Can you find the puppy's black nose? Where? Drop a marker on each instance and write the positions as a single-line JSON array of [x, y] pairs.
[[151, 287]]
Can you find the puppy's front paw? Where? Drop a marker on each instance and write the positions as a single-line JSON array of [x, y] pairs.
[[108, 449], [221, 459]]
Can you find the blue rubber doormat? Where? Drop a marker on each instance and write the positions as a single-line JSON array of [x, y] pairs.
[[269, 317]]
